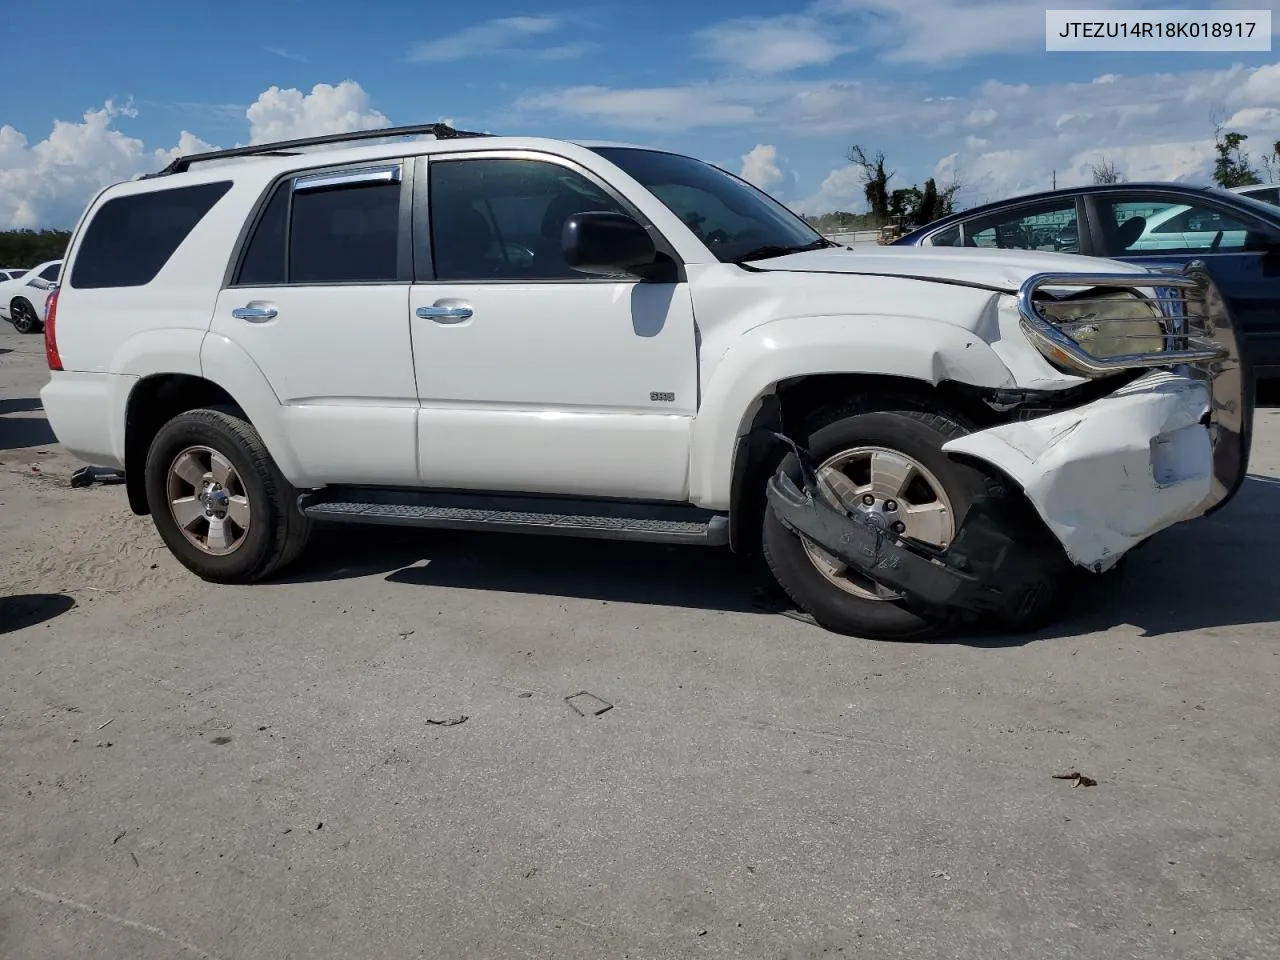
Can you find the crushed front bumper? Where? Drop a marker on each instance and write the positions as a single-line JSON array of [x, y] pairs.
[[1109, 474]]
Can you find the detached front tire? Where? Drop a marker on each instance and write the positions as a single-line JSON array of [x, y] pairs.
[[884, 458], [219, 501]]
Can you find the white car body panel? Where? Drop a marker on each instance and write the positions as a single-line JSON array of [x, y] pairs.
[[1157, 236], [981, 266], [550, 387], [26, 285], [339, 361]]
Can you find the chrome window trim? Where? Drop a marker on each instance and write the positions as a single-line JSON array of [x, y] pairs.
[[383, 173]]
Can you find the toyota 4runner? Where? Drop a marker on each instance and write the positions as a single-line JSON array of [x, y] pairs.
[[468, 331]]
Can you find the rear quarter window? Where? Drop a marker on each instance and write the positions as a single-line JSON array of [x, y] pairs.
[[130, 239]]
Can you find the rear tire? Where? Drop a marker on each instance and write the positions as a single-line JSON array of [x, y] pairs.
[[915, 433], [219, 501], [24, 316]]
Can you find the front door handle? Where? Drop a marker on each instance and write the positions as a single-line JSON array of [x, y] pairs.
[[255, 312], [445, 311]]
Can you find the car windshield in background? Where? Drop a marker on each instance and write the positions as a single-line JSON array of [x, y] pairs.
[[735, 220]]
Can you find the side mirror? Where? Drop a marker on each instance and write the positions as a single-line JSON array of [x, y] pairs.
[[606, 243]]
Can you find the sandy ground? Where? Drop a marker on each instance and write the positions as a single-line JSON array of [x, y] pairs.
[[194, 771]]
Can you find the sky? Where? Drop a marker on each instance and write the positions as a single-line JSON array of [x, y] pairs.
[[773, 90]]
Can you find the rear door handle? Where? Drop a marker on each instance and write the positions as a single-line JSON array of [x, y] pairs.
[[445, 311], [255, 312]]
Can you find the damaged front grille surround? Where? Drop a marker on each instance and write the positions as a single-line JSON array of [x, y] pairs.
[[1185, 335]]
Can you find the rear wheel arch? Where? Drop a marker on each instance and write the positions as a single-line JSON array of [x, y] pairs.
[[153, 402]]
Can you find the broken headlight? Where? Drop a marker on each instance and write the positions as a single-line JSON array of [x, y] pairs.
[[1117, 323]]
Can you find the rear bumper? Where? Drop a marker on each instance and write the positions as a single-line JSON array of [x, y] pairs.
[[1109, 474], [86, 412]]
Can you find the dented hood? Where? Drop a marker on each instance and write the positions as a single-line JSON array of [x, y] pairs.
[[987, 268]]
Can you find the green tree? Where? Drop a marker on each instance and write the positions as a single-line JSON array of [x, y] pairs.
[[26, 248], [905, 203], [1232, 167], [1271, 163], [875, 181], [947, 197], [927, 209], [1104, 171]]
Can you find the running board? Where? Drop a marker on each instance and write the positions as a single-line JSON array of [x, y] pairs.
[[555, 516]]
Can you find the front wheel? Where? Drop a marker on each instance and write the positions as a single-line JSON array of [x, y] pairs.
[[218, 500], [24, 316], [889, 465]]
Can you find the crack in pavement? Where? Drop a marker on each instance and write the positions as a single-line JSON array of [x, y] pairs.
[[55, 900]]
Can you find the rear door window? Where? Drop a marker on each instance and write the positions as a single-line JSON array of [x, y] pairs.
[[340, 227], [131, 238]]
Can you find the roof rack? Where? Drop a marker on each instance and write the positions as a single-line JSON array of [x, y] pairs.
[[285, 148]]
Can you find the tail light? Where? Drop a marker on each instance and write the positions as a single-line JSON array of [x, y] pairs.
[[51, 330]]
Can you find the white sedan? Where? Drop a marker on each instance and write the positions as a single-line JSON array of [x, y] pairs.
[[22, 301], [1180, 227]]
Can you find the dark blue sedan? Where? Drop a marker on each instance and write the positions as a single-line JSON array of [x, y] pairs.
[[1157, 225]]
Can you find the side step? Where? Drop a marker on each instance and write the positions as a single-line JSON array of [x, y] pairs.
[[556, 516]]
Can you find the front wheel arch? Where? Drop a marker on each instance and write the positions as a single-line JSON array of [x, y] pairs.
[[790, 405]]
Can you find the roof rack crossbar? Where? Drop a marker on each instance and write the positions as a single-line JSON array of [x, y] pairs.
[[441, 131]]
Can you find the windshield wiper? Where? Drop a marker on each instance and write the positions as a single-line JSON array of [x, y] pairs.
[[781, 250]]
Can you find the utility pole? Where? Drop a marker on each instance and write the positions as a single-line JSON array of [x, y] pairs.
[[1055, 179]]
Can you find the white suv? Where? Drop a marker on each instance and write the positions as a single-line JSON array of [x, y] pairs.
[[613, 341]]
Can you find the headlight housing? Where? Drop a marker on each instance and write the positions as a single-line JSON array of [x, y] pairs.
[[1115, 322], [1109, 324]]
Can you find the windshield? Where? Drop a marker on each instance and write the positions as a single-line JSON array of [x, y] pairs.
[[735, 220]]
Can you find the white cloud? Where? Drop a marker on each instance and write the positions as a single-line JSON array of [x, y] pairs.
[[936, 31], [287, 114], [654, 109], [842, 189], [760, 166], [769, 45], [483, 39], [48, 183], [1003, 138]]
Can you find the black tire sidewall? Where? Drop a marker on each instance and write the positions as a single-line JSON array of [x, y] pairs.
[[13, 317], [919, 437], [203, 428]]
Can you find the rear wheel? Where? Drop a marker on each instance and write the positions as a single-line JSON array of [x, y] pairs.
[[886, 461], [219, 501], [24, 316]]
